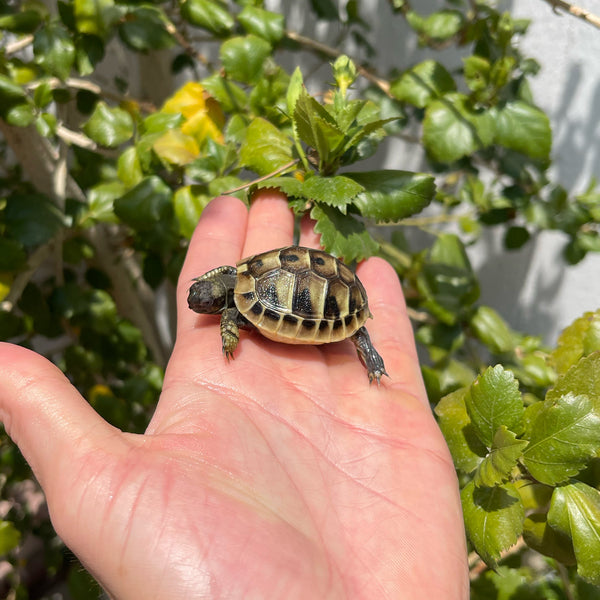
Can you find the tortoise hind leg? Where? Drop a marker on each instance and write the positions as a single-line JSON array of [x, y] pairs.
[[231, 321], [370, 357]]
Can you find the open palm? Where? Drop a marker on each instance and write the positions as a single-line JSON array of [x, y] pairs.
[[278, 475]]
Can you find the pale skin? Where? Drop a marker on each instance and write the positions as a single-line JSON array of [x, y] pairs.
[[278, 475]]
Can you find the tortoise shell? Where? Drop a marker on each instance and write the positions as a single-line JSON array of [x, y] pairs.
[[300, 296]]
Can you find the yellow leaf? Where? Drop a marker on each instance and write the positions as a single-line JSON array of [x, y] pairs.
[[187, 100], [176, 147]]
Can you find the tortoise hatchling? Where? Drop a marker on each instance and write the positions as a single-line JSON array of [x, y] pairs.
[[293, 295]]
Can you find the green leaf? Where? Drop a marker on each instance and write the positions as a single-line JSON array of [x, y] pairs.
[[14, 104], [230, 96], [10, 537], [336, 191], [209, 15], [342, 235], [392, 195], [422, 83], [452, 129], [494, 400], [188, 208], [25, 21], [294, 91], [325, 9], [516, 237], [446, 280], [147, 204], [442, 25], [129, 169], [578, 339], [244, 58], [54, 51], [493, 518], [101, 200], [524, 128], [95, 17], [575, 511], [316, 127], [491, 329], [12, 255], [498, 464], [109, 127], [582, 378], [32, 219], [565, 435], [263, 23], [265, 148], [290, 186], [466, 448], [144, 28]]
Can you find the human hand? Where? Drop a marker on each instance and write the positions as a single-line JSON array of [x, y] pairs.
[[280, 474]]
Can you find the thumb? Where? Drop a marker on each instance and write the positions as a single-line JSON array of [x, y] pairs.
[[45, 415]]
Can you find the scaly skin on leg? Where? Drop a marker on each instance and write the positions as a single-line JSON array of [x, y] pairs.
[[230, 332], [369, 355]]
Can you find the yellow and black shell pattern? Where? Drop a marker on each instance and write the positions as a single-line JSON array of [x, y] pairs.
[[300, 296]]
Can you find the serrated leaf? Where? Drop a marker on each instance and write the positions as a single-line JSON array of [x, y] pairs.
[[108, 126], [494, 400], [295, 87], [244, 58], [452, 129], [265, 148], [524, 128], [290, 186], [315, 126], [502, 459], [392, 195], [578, 339], [263, 23], [565, 435], [422, 83], [32, 219], [54, 51], [582, 378], [493, 518], [342, 235], [466, 448], [338, 191], [575, 511], [209, 15]]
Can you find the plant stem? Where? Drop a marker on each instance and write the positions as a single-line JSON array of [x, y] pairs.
[[576, 11]]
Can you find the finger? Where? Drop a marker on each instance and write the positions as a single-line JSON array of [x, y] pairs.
[[390, 329], [46, 417], [308, 236], [217, 240], [270, 223]]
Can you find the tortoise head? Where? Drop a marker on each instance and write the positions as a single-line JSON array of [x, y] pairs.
[[209, 296]]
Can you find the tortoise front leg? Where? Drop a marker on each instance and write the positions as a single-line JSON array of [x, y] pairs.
[[231, 321], [369, 355]]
